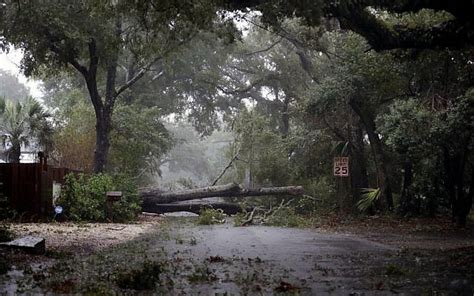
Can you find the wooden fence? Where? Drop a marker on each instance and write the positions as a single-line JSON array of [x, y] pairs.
[[29, 187]]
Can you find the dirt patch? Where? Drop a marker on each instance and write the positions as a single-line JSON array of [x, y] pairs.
[[412, 233], [84, 238]]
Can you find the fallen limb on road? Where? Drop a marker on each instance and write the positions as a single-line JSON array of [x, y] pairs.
[[154, 195]]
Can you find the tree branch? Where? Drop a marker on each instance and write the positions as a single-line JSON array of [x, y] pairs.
[[137, 77], [381, 36], [234, 158], [265, 49]]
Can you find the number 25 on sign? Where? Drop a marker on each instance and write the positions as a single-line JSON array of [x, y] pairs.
[[341, 166]]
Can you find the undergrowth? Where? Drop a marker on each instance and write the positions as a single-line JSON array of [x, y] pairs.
[[211, 216], [145, 278], [5, 233]]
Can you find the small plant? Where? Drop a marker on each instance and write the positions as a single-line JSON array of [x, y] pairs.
[[369, 197], [394, 270], [239, 219], [201, 274], [142, 279], [211, 216]]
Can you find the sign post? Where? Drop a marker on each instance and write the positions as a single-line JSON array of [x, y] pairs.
[[341, 166]]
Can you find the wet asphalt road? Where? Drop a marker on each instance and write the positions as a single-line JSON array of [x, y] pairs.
[[258, 260]]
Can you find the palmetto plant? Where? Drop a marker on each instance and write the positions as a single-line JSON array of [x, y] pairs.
[[22, 123], [369, 197]]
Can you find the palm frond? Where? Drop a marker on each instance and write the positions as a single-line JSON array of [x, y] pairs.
[[341, 148], [368, 198]]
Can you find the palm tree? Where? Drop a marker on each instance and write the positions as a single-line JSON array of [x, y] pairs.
[[22, 124]]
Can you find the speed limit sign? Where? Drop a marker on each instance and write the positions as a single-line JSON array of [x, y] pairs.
[[341, 166]]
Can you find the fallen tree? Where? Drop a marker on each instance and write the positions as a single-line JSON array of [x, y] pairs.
[[229, 190], [157, 201]]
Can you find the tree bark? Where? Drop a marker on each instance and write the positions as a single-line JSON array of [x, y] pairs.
[[154, 195], [377, 150], [15, 152], [103, 127]]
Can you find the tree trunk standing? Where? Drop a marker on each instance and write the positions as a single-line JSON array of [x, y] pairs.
[[15, 152], [285, 118], [103, 115], [358, 163], [461, 200], [102, 144], [406, 200], [377, 150]]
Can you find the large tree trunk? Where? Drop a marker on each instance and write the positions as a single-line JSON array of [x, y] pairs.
[[153, 195], [102, 143], [377, 149], [358, 164]]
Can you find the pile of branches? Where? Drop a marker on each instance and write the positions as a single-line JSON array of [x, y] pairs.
[[260, 215]]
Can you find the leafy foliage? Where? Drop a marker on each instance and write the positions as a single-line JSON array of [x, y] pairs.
[[210, 216], [84, 198], [139, 141], [74, 138]]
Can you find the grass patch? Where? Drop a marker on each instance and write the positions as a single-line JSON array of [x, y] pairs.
[[201, 274], [56, 254], [145, 278], [395, 270]]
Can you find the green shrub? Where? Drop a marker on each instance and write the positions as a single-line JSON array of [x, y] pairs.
[[5, 233], [84, 198], [210, 216]]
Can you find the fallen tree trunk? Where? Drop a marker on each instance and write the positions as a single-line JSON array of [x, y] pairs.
[[227, 208], [153, 195]]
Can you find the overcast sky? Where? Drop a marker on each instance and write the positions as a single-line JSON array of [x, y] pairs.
[[11, 62]]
